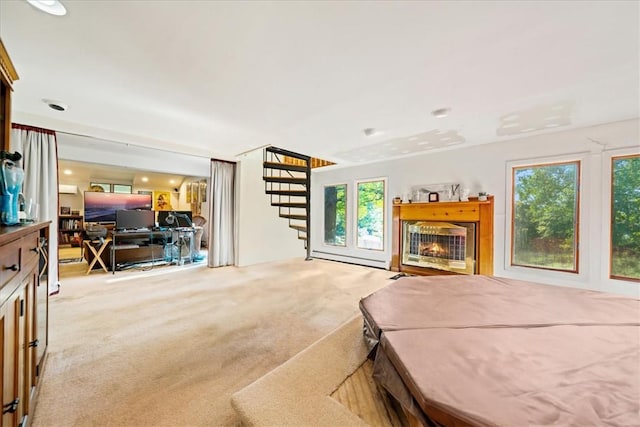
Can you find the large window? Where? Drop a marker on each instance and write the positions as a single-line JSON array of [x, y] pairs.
[[545, 216], [625, 217], [370, 199], [335, 215]]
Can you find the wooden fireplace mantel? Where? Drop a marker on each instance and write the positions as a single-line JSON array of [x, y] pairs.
[[472, 211]]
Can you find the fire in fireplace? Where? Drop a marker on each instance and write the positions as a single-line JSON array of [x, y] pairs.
[[440, 245]]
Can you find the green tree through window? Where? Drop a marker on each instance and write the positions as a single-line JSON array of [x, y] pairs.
[[545, 216], [625, 217], [371, 215], [335, 215]]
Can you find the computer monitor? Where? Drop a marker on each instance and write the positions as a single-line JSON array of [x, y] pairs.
[[176, 219], [134, 219]]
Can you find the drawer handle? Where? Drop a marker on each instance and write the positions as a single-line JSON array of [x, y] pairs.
[[34, 343], [11, 407], [13, 267]]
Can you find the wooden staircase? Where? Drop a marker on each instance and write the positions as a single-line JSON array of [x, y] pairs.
[[287, 178]]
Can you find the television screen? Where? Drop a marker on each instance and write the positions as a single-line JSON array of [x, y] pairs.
[[102, 207], [135, 220]]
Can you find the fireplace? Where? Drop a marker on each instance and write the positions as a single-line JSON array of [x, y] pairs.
[[443, 237], [441, 245]]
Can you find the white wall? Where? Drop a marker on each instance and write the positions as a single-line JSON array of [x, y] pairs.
[[92, 150], [262, 235], [483, 167]]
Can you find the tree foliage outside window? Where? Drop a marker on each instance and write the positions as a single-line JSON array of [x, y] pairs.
[[335, 215], [370, 198], [545, 216], [625, 217]]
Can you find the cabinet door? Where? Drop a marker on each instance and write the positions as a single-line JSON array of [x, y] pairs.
[[12, 330], [30, 340], [41, 310]]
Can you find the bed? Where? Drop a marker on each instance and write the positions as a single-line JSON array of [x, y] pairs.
[[487, 351]]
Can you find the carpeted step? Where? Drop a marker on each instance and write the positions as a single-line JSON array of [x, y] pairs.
[[297, 393]]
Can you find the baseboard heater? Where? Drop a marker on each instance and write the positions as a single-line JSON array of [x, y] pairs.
[[384, 264]]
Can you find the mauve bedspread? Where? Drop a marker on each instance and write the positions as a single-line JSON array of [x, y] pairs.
[[491, 351]]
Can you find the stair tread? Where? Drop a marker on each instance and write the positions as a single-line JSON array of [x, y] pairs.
[[298, 227], [300, 193], [293, 216], [290, 204], [285, 179], [284, 166]]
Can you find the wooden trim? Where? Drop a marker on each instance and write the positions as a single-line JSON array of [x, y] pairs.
[[6, 119], [480, 212], [32, 128], [576, 220], [611, 218], [7, 70]]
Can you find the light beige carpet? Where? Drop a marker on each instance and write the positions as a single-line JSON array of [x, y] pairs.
[[170, 346]]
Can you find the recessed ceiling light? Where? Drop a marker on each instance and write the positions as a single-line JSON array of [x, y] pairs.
[[414, 138], [67, 172], [55, 105], [172, 181], [145, 179], [441, 112], [424, 143], [53, 7], [405, 151]]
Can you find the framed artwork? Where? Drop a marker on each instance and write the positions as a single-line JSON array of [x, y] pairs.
[[162, 201]]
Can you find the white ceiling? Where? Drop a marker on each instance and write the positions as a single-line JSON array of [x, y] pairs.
[[83, 173], [219, 78]]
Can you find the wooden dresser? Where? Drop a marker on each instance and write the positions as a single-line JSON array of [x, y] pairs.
[[23, 317]]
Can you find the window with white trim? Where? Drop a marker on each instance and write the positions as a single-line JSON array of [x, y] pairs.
[[335, 215], [370, 210]]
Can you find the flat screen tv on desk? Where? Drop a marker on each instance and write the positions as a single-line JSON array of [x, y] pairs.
[[135, 219], [102, 207]]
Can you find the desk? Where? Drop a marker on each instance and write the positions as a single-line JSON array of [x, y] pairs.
[[138, 246], [100, 245]]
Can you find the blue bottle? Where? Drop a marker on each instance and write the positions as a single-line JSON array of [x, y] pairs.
[[11, 178]]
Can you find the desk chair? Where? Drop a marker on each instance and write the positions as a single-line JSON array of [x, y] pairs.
[[198, 223]]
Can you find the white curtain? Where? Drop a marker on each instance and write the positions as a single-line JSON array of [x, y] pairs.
[[222, 213], [40, 163]]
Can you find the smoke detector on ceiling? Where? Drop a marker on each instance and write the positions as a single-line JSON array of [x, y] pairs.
[[55, 105]]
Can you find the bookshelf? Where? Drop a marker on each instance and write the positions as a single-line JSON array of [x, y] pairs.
[[70, 228]]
